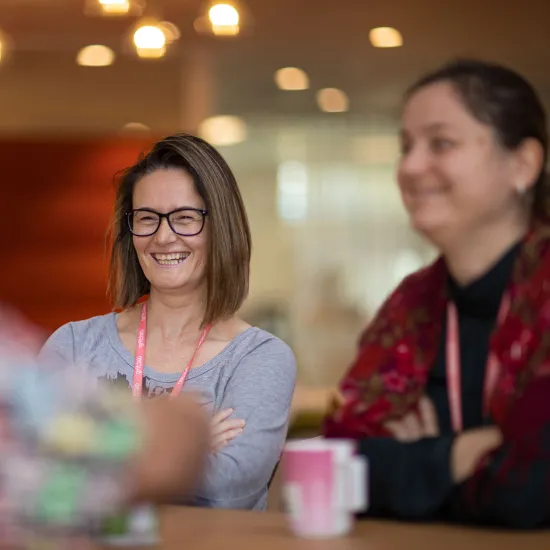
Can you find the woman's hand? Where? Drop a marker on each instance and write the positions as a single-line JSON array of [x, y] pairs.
[[415, 426], [469, 448], [224, 429]]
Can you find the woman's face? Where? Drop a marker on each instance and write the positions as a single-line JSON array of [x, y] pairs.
[[169, 261], [453, 175]]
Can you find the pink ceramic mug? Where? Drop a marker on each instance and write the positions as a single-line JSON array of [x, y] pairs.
[[324, 485]]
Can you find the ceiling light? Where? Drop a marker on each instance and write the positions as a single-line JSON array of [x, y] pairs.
[[224, 19], [332, 100], [95, 56], [115, 7], [291, 78], [6, 46], [223, 130], [150, 41], [385, 37]]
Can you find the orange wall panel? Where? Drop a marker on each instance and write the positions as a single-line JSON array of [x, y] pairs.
[[56, 208]]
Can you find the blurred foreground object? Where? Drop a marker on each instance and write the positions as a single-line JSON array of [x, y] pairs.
[[17, 335], [75, 455], [65, 449]]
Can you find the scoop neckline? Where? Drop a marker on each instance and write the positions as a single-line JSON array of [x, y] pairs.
[[150, 372]]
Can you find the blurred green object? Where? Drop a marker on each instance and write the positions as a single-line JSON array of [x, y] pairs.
[[116, 525], [117, 439], [134, 527], [58, 501]]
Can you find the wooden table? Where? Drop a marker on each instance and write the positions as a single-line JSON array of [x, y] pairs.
[[201, 529]]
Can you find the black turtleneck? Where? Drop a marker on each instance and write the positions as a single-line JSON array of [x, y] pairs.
[[413, 480], [477, 304]]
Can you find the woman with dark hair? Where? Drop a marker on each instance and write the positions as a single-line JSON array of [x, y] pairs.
[[449, 395], [181, 239]]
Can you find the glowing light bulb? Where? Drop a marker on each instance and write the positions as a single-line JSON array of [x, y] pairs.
[[291, 78], [115, 7], [385, 37], [223, 130], [224, 19], [95, 55], [332, 100], [150, 41]]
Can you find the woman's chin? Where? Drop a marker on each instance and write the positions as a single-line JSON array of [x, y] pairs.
[[176, 285], [170, 287], [430, 226]]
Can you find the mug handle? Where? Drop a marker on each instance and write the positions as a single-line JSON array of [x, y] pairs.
[[358, 492]]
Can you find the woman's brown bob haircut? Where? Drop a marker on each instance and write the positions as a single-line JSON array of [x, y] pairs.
[[229, 242]]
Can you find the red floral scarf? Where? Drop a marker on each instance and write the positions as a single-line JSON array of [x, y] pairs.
[[399, 348]]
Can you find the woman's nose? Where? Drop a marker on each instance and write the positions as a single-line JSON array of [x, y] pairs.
[[414, 162], [164, 233]]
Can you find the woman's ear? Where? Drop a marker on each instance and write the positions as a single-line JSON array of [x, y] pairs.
[[529, 164]]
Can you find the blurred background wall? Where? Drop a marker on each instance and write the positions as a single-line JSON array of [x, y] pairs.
[[297, 95]]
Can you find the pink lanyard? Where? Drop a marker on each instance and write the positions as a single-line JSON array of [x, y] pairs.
[[139, 362], [453, 365]]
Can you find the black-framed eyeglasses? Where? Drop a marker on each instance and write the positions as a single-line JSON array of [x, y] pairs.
[[186, 222]]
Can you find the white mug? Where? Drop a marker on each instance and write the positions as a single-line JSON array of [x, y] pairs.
[[324, 485]]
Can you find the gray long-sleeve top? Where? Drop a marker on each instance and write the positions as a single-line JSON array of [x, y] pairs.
[[255, 375]]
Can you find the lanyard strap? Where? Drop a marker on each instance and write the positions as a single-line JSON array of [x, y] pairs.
[[492, 368], [139, 362]]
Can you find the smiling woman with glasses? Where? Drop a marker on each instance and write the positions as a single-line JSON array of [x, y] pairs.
[[179, 273]]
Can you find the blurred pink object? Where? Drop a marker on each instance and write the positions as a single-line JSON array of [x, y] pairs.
[[17, 333], [324, 484]]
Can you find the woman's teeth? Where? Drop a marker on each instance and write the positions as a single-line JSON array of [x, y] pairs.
[[169, 259]]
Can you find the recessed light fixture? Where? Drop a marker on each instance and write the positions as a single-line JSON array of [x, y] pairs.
[[95, 55], [150, 41], [291, 78], [385, 37], [224, 19], [5, 46], [115, 7], [223, 130], [332, 100]]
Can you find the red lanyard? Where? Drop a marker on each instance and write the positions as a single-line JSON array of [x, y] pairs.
[[453, 365], [139, 362]]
